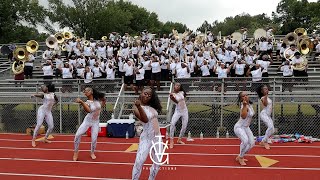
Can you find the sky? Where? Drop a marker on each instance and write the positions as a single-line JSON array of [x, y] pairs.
[[194, 12]]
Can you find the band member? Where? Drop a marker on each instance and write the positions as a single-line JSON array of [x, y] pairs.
[[44, 111], [178, 97], [242, 127], [265, 114], [96, 101], [146, 110]]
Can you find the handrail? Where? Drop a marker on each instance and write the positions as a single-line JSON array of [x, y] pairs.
[[118, 98]]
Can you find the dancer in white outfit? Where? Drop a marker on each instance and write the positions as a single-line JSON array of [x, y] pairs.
[[242, 127], [146, 110], [178, 97], [44, 111], [265, 114], [94, 104]]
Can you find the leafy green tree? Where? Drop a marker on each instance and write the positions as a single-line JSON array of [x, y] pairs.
[[19, 19], [292, 14]]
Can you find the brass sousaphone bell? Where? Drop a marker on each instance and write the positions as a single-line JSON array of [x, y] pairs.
[[67, 35], [32, 46], [291, 38], [300, 31], [21, 55], [60, 37], [51, 42], [304, 46], [104, 38]]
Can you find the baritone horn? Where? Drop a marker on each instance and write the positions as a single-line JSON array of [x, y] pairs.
[[32, 46], [60, 37], [51, 42]]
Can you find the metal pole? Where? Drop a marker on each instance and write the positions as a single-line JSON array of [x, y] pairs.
[[259, 120], [222, 102], [273, 98], [79, 112], [60, 109]]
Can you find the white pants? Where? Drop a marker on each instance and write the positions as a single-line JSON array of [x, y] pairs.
[[94, 124], [41, 115], [246, 137], [269, 123], [184, 118], [142, 154]]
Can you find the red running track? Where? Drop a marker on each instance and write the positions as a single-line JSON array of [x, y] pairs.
[[200, 159]]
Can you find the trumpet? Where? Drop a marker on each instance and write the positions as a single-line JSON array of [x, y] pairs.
[[32, 46]]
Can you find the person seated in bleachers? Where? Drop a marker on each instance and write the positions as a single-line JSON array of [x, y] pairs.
[[87, 78], [59, 64]]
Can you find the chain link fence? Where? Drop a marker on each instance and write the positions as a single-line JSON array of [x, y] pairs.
[[18, 110], [211, 109]]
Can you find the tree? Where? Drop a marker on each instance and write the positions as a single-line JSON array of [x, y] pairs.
[[234, 24], [205, 27], [98, 18], [19, 19], [292, 14], [169, 26]]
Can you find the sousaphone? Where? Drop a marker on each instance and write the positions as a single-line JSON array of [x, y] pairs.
[[51, 42], [32, 46], [300, 31], [259, 33], [67, 35], [291, 38], [60, 37], [236, 36]]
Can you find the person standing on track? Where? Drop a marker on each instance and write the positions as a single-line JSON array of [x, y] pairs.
[[44, 111], [146, 110], [265, 114], [242, 127], [181, 110], [93, 106]]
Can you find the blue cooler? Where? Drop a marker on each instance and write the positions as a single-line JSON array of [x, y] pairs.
[[119, 127]]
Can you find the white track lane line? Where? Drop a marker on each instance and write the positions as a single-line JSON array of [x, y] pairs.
[[176, 153], [55, 176], [170, 165], [199, 145]]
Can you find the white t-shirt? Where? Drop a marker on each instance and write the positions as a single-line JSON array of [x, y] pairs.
[[256, 75], [141, 75], [155, 67], [286, 70]]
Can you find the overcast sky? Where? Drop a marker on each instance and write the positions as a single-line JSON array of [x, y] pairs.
[[194, 12]]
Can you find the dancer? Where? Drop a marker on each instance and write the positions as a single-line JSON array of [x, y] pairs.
[[178, 97], [242, 129], [96, 101], [44, 111], [146, 110], [265, 114]]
